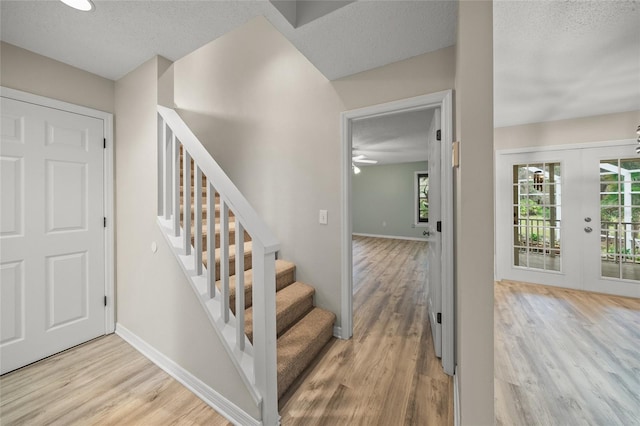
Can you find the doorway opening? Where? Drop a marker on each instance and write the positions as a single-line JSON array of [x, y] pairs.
[[438, 231]]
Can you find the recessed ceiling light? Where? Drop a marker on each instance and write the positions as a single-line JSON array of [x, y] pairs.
[[83, 5]]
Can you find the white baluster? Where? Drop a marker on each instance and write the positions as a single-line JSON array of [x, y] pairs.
[[239, 285], [211, 240], [197, 220], [176, 185], [161, 171], [224, 258], [186, 197], [264, 329], [167, 150]]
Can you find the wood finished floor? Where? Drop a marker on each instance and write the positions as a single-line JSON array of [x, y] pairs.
[[565, 357], [102, 382], [387, 374]]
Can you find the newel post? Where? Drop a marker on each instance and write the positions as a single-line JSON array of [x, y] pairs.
[[264, 332]]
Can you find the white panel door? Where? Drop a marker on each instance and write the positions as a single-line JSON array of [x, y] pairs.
[[434, 246], [51, 232]]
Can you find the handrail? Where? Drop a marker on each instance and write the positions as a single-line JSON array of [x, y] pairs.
[[241, 208]]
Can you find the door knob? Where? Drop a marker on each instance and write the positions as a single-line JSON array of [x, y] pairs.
[[587, 219], [426, 233], [587, 229]]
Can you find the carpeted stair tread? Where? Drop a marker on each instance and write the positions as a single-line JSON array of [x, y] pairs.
[[299, 345], [232, 234], [292, 303], [232, 258], [285, 275]]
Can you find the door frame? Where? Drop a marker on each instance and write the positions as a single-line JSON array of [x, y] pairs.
[[444, 101], [108, 179]]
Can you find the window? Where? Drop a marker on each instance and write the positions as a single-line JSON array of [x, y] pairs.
[[422, 197]]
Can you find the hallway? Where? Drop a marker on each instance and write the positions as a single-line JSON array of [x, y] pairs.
[[387, 374]]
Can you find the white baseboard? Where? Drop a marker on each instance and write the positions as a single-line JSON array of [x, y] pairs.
[[212, 398], [337, 332], [456, 398], [392, 237]]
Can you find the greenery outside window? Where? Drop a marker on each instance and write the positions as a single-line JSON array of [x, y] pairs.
[[422, 198]]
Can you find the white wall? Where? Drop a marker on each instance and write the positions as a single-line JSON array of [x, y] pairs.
[[27, 71], [474, 212], [598, 128], [272, 121], [154, 299], [384, 200]]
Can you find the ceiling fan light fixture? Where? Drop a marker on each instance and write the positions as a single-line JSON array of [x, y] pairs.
[[82, 5]]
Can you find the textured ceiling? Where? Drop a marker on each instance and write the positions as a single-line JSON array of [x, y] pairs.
[[397, 138], [552, 59], [564, 59], [120, 35]]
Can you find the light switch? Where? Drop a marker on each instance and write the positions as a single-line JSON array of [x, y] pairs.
[[324, 217]]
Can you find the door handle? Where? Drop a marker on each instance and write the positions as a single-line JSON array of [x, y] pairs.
[[587, 219], [426, 233], [587, 229]]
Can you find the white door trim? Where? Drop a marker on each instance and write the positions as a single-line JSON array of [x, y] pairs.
[[443, 100], [109, 212]]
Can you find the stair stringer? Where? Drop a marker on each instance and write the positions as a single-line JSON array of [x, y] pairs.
[[242, 360]]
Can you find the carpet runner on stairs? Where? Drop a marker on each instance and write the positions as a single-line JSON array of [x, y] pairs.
[[302, 328]]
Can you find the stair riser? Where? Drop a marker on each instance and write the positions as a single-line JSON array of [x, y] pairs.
[[311, 351], [232, 238], [232, 266], [286, 319], [282, 280], [204, 215]]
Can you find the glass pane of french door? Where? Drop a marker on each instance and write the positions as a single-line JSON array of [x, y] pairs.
[[537, 209], [620, 218]]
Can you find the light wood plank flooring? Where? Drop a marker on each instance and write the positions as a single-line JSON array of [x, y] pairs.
[[105, 382], [565, 357], [387, 374]]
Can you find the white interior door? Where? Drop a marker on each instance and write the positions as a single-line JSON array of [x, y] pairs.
[[52, 283], [434, 245], [570, 218]]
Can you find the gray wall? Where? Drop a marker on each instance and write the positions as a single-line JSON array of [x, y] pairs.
[[23, 70], [272, 122], [474, 212], [621, 125], [383, 200], [154, 299]]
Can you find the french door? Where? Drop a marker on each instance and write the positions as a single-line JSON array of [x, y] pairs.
[[570, 218]]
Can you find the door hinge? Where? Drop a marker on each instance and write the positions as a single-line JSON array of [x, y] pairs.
[[438, 135], [105, 301], [439, 226], [104, 222], [439, 318], [104, 143]]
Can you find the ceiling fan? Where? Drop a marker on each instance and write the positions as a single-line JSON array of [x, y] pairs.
[[360, 159]]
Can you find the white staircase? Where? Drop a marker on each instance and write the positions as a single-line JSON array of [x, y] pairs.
[[256, 361]]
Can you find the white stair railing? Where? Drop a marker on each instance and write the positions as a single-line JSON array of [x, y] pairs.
[[257, 362]]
